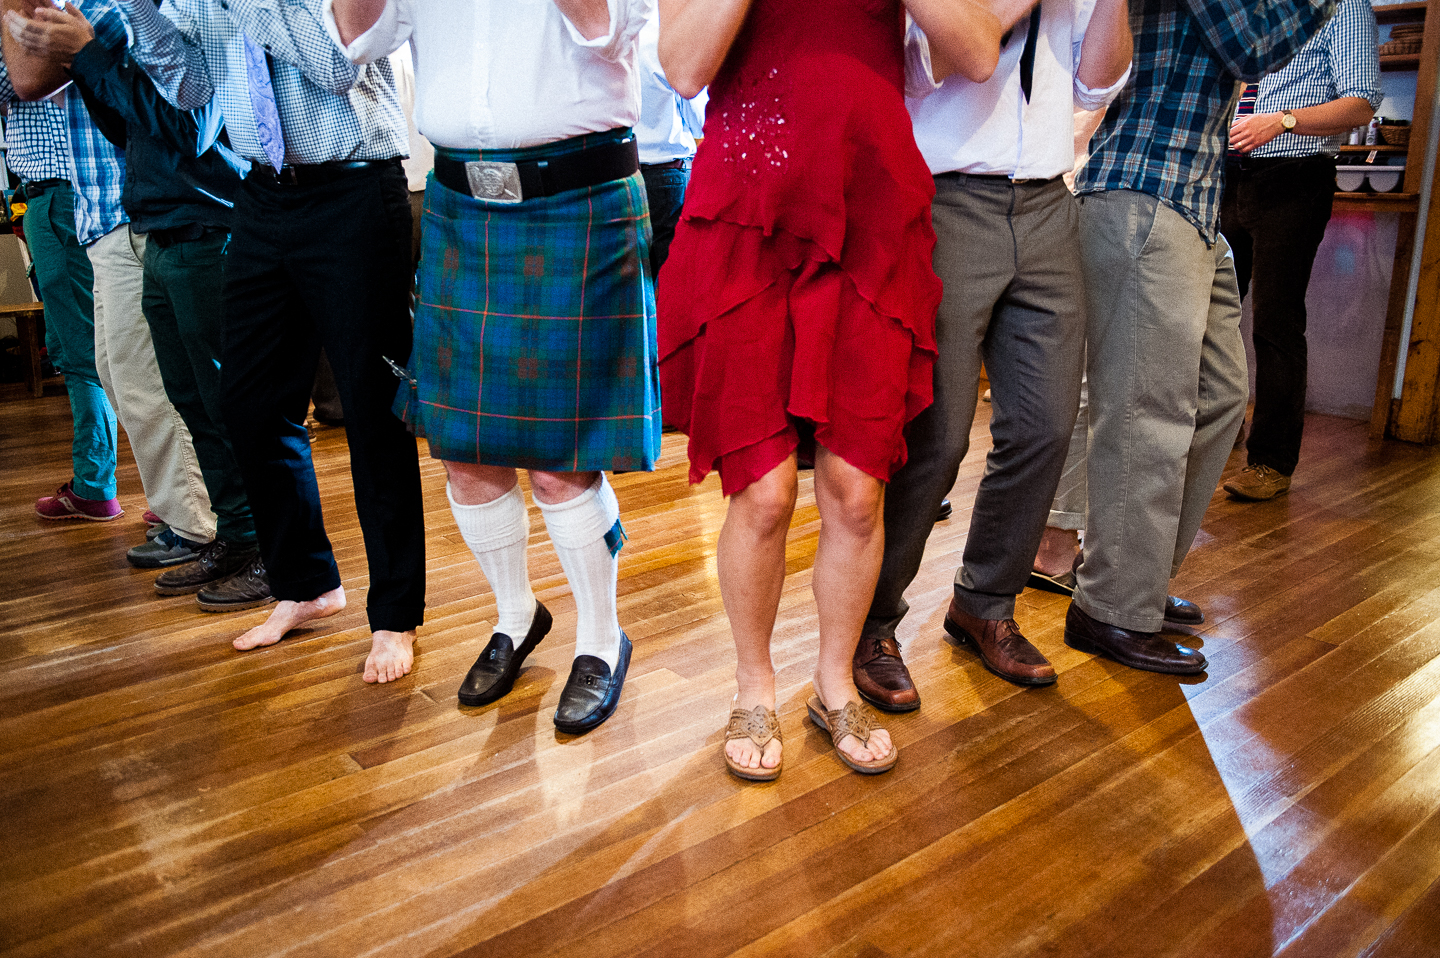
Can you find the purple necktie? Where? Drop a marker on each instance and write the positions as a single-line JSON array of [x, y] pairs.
[[262, 102]]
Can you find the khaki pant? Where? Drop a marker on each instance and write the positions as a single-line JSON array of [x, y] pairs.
[[1166, 370], [125, 360]]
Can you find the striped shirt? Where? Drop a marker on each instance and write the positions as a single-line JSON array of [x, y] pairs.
[[330, 109], [1166, 132], [1339, 61]]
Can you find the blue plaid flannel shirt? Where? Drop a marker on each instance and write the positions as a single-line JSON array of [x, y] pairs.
[[99, 168], [1166, 133]]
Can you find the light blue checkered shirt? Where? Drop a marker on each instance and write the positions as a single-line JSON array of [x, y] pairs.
[[330, 109]]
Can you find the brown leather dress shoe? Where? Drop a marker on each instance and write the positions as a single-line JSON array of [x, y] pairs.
[[1180, 611], [881, 676], [1002, 648], [1139, 650]]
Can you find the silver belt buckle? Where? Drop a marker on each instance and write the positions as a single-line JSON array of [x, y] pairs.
[[494, 181]]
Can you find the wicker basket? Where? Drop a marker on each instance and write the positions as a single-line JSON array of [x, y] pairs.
[[1394, 134], [1405, 46]]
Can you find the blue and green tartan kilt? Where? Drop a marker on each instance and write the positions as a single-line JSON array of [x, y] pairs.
[[535, 329]]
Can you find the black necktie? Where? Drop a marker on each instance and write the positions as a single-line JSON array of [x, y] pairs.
[[1027, 56]]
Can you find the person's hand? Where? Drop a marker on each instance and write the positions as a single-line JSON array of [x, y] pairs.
[[1254, 131], [53, 34]]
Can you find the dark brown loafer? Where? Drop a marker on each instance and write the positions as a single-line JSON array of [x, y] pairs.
[[1180, 611], [1002, 648], [881, 676], [1139, 650]]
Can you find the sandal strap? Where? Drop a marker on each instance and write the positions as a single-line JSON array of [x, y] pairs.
[[854, 719], [759, 725]]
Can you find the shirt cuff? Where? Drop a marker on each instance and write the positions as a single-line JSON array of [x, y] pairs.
[[374, 44], [1087, 98]]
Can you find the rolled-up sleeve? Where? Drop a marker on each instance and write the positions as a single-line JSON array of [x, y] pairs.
[[919, 71], [389, 33], [1089, 98], [627, 17], [1354, 62]]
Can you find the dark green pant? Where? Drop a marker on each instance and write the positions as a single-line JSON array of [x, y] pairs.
[[184, 302]]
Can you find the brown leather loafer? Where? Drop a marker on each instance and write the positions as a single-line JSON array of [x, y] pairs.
[[881, 676], [1002, 648], [1139, 650]]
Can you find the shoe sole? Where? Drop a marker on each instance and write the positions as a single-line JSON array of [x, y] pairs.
[[886, 706], [497, 692], [182, 590], [1080, 645], [232, 606], [965, 638], [162, 563], [1246, 497], [79, 515], [1051, 584]]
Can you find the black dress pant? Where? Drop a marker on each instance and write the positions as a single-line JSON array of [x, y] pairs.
[[1274, 213], [325, 264]]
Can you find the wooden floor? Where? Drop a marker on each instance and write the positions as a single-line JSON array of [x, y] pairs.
[[161, 794]]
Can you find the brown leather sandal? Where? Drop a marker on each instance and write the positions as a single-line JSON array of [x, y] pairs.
[[854, 719], [759, 725]]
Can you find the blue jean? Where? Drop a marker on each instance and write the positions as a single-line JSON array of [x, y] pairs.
[[665, 192], [66, 285]]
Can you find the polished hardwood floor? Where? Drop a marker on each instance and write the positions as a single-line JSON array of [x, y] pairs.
[[162, 794]]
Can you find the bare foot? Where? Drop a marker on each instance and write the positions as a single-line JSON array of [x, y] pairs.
[[742, 751], [878, 747], [391, 655], [1057, 551], [291, 615]]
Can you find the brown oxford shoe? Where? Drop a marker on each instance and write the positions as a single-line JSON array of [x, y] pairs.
[[1139, 650], [1002, 648], [881, 676], [1180, 611]]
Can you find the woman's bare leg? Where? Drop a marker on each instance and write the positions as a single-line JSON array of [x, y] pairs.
[[847, 565], [750, 559]]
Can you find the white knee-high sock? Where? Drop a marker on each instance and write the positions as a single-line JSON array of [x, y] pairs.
[[581, 531], [496, 532]]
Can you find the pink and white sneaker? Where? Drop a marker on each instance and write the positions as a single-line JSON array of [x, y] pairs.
[[151, 519], [65, 504]]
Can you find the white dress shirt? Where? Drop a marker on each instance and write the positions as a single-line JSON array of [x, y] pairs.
[[507, 74], [669, 123], [989, 127]]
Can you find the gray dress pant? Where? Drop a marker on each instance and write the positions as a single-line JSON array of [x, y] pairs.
[[1009, 257], [1166, 369]]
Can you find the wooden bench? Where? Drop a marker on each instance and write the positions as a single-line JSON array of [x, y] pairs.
[[30, 329]]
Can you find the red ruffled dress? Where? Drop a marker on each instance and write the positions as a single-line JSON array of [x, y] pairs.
[[799, 291]]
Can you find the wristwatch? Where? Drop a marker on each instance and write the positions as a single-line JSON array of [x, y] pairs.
[[1287, 120]]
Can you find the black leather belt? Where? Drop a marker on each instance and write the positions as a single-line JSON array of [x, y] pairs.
[[505, 182], [997, 178], [168, 237], [683, 163], [314, 174], [33, 188], [1247, 163]]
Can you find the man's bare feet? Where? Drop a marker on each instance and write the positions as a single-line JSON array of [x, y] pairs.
[[879, 747], [289, 615], [1058, 548], [391, 656]]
